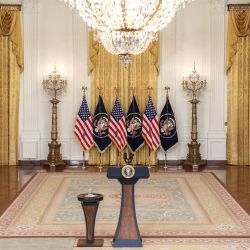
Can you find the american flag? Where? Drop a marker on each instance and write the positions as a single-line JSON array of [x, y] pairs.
[[117, 126], [150, 126], [83, 126]]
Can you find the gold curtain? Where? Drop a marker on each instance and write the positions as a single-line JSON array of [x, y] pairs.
[[238, 86], [108, 73], [11, 66]]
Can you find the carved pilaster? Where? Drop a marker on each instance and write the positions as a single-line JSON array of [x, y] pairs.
[[80, 73], [30, 135], [80, 58], [217, 133]]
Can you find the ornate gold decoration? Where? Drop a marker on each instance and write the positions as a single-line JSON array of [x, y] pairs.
[[10, 7], [238, 84], [54, 84], [84, 90], [238, 7], [11, 66], [194, 83], [128, 172]]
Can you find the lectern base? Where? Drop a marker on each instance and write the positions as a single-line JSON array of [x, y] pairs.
[[127, 243], [85, 243]]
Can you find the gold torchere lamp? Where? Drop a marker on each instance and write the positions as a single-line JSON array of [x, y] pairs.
[[194, 83], [54, 84]]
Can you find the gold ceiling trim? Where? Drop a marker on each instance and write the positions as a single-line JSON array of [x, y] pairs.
[[10, 7], [238, 7]]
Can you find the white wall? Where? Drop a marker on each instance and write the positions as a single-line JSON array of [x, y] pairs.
[[196, 34], [55, 35]]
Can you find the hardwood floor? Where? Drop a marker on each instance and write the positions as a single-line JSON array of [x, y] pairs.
[[235, 178], [238, 183]]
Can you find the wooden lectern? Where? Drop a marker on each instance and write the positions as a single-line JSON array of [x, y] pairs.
[[90, 203], [127, 232]]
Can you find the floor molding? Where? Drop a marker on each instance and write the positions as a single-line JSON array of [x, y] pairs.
[[181, 162], [160, 163]]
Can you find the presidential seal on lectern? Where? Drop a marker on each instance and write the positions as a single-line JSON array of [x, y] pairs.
[[128, 171], [127, 232]]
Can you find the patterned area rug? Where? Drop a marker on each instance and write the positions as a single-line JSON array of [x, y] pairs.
[[167, 204]]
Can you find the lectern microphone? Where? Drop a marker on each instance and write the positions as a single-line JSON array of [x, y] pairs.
[[127, 159]]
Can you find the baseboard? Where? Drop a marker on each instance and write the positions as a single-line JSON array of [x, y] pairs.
[[40, 163], [216, 163], [180, 162], [160, 163], [29, 163], [170, 162], [78, 163]]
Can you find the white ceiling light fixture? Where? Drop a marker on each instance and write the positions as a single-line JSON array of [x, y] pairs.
[[126, 27]]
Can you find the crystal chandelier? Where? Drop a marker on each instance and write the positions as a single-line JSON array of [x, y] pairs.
[[126, 27]]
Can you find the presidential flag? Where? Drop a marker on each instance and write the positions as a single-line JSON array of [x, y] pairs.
[[134, 127], [117, 126], [100, 127], [150, 126], [168, 132], [83, 126]]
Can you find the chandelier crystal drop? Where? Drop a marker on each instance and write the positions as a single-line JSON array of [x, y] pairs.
[[120, 43], [126, 27]]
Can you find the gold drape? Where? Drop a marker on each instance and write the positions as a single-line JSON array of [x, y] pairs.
[[107, 72], [238, 87], [11, 65]]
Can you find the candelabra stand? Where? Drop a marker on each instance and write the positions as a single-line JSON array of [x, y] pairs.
[[194, 83], [54, 84]]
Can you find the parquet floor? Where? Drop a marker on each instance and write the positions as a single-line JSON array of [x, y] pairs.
[[235, 178]]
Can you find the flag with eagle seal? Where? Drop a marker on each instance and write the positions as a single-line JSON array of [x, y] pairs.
[[134, 127], [100, 127], [167, 124]]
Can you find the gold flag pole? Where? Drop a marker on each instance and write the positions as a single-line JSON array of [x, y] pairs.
[[116, 91], [100, 165], [84, 91], [167, 90], [132, 89], [100, 89], [149, 149]]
